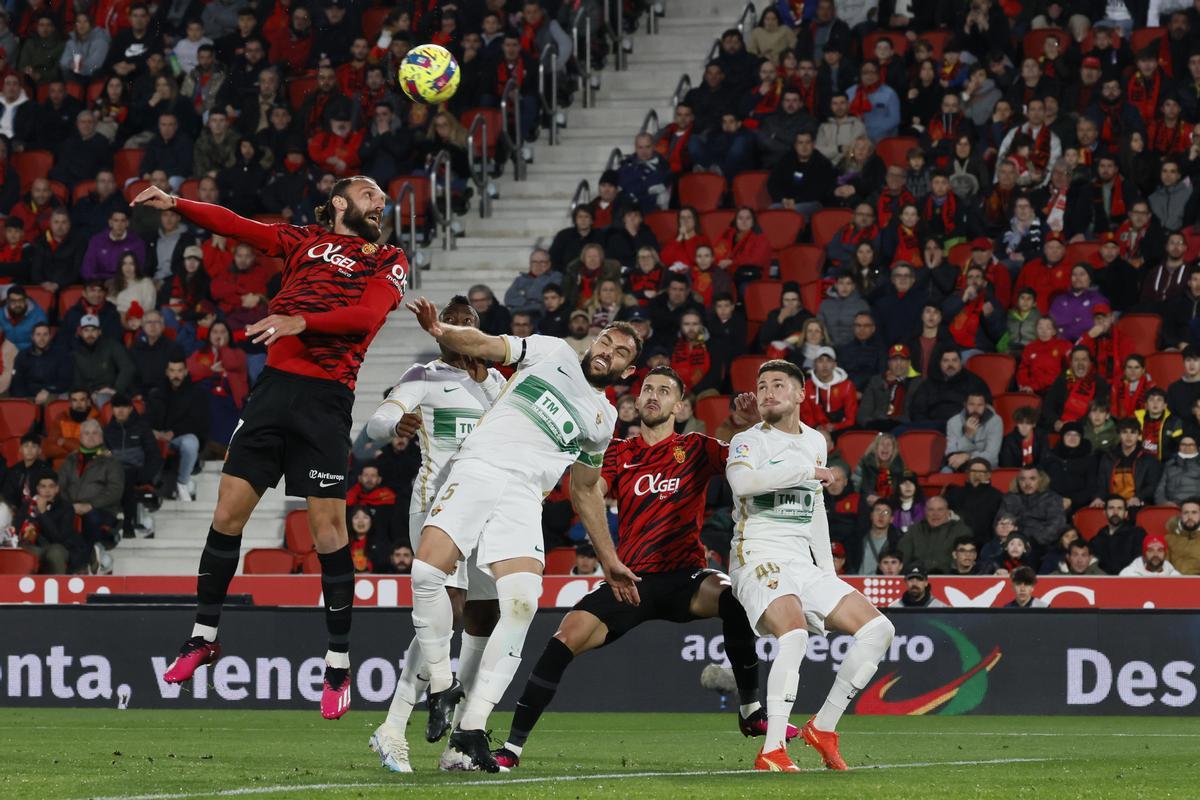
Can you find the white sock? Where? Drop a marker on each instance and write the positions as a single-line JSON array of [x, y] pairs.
[[470, 652], [337, 660], [749, 709], [519, 595], [871, 644], [409, 687], [433, 621], [515, 749], [208, 632], [782, 681]]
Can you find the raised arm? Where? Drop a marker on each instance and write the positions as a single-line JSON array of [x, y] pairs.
[[470, 342], [214, 218], [746, 480], [587, 498]]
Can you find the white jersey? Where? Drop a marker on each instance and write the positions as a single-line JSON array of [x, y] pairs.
[[783, 517], [547, 418], [451, 404]]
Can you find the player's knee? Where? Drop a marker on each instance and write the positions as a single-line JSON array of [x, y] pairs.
[[879, 630], [427, 580], [228, 521], [519, 593]]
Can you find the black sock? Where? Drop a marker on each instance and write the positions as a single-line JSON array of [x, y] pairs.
[[539, 691], [337, 584], [740, 648], [218, 562]]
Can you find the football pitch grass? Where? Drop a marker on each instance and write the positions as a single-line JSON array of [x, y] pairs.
[[178, 755]]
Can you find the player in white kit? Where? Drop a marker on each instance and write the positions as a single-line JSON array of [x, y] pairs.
[[553, 415], [449, 395], [782, 567]]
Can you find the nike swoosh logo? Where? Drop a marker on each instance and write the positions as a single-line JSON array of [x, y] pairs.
[[564, 372], [776, 461], [537, 549], [418, 627], [325, 485], [204, 574], [343, 608], [449, 388], [630, 466], [512, 654]]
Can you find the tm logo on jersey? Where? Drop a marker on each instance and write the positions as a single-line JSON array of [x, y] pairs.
[[655, 484], [330, 253]]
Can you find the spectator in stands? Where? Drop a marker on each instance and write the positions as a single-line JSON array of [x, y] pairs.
[[85, 50], [1183, 393], [1169, 279], [219, 370], [1071, 465], [1170, 199], [1078, 560], [1129, 393], [519, 66], [129, 287], [14, 253], [1178, 314], [105, 249], [886, 398], [864, 553], [864, 356], [743, 250], [682, 249], [1152, 563], [1024, 580], [62, 433], [645, 175], [20, 481], [170, 150], [977, 319], [17, 112], [770, 38], [130, 441], [1074, 309], [691, 357], [1127, 470], [522, 324], [877, 476], [918, 594], [1072, 393], [1183, 537], [934, 336], [93, 482], [35, 208], [525, 293], [552, 321], [91, 212], [55, 257], [706, 278], [836, 135], [708, 101], [151, 352], [944, 392], [629, 238], [578, 331], [841, 505], [42, 371], [45, 526], [102, 364], [178, 414], [606, 303], [862, 228], [291, 45], [874, 102], [1161, 431], [908, 504], [569, 242], [1023, 319], [94, 301], [586, 272], [1024, 445], [831, 402], [1180, 476], [776, 134], [81, 154], [21, 315], [726, 325], [964, 558], [802, 179], [666, 310], [607, 200], [643, 282], [1037, 509], [494, 318], [931, 540], [975, 432], [1118, 542], [336, 147], [370, 490], [1043, 359], [726, 150], [217, 146], [400, 560]]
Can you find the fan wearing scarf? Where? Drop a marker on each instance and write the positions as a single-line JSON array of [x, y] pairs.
[[1072, 393], [874, 102]]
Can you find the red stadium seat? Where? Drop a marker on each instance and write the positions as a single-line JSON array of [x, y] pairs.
[[297, 537], [299, 88], [134, 189], [268, 561], [127, 164], [10, 449], [781, 227], [67, 297], [852, 444], [922, 451], [31, 164], [713, 224], [94, 89], [1033, 41], [663, 224], [701, 190], [311, 563], [190, 189], [959, 254], [1142, 331], [938, 40], [825, 224], [743, 373], [1142, 37], [372, 21], [493, 122], [996, 370], [82, 190], [899, 43], [14, 561], [1003, 477], [801, 263], [811, 295], [893, 150], [43, 298], [1007, 403], [560, 560], [750, 189], [1165, 367], [1153, 519], [761, 298], [17, 416], [1085, 252], [1089, 521], [54, 410], [422, 196], [936, 482], [60, 190], [712, 411]]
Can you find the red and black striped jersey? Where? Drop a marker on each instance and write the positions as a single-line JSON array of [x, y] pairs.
[[660, 492]]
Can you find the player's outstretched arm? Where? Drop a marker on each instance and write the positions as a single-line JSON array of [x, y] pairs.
[[211, 217], [746, 480], [470, 342], [587, 498]]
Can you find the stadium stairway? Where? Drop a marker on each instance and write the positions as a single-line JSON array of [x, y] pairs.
[[493, 251]]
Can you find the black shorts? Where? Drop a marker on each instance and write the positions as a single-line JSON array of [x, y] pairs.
[[664, 596], [297, 427]]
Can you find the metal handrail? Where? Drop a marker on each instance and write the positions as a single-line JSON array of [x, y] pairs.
[[550, 49], [444, 218], [583, 65], [713, 52], [614, 159], [515, 143], [681, 90], [741, 23], [585, 189], [619, 36], [651, 116], [480, 166], [407, 190], [652, 21]]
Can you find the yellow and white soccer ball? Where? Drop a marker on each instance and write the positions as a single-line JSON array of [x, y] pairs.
[[429, 74]]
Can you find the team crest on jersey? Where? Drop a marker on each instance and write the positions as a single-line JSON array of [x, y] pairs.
[[773, 584], [369, 248], [436, 510], [599, 419], [680, 454]]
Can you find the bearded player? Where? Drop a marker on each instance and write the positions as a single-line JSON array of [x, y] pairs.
[[660, 480], [782, 565], [338, 288]]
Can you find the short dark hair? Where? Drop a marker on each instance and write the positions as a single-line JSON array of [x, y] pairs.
[[121, 399], [1128, 424], [16, 289], [1192, 500], [460, 300], [620, 326], [325, 212], [891, 552], [1024, 576], [961, 540], [1026, 414], [553, 287], [1155, 392], [784, 366], [672, 375], [1081, 544]]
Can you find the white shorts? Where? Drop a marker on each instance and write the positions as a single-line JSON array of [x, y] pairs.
[[490, 514], [467, 575], [759, 583]]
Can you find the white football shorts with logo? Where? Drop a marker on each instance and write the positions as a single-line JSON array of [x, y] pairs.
[[467, 575], [490, 513], [760, 583]]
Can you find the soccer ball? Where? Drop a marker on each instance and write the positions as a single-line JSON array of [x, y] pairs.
[[429, 74]]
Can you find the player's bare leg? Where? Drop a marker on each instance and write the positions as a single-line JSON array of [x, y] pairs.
[[327, 524], [872, 634], [236, 500], [433, 624], [784, 618], [519, 585]]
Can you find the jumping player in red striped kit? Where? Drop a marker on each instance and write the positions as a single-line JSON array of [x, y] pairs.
[[660, 480], [338, 288]]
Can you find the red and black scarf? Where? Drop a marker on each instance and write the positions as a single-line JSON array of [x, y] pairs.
[[947, 213], [1166, 139], [808, 97], [945, 127], [1152, 435], [1130, 240], [852, 234], [883, 480], [908, 246], [1125, 401], [861, 104], [529, 34], [1143, 95], [504, 72], [1116, 201], [966, 322], [996, 208], [1111, 129], [1080, 393], [889, 204]]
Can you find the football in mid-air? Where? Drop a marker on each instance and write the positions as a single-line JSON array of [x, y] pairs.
[[429, 74]]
